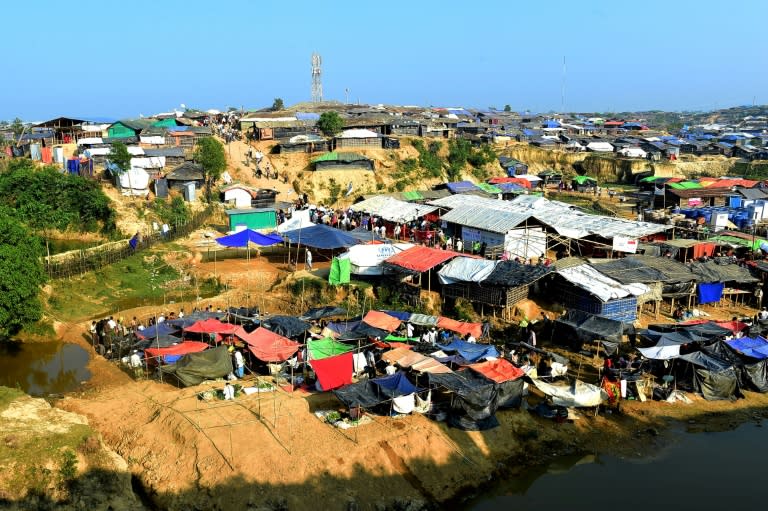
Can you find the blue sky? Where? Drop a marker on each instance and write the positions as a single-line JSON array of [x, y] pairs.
[[121, 59]]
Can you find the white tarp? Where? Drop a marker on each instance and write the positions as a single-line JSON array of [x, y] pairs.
[[151, 162], [368, 259], [603, 287], [600, 147], [525, 243], [624, 244], [359, 133], [633, 152], [577, 394], [466, 269], [134, 182], [299, 220], [661, 352], [97, 151], [135, 150], [391, 209], [152, 139], [90, 141]]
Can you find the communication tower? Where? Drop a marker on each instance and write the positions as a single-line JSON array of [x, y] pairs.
[[317, 84]]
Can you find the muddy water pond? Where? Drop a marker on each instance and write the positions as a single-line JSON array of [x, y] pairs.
[[43, 368], [701, 471]]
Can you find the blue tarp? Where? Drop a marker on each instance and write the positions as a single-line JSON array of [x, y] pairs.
[[241, 239], [551, 124], [756, 347], [364, 235], [322, 237], [709, 293], [471, 352], [341, 327], [462, 186], [395, 385], [509, 187], [307, 116], [402, 316], [159, 329]]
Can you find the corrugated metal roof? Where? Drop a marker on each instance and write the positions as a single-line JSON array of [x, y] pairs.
[[485, 218]]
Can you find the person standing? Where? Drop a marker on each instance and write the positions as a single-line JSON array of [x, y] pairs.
[[308, 260], [239, 364], [459, 245], [397, 232], [758, 297]]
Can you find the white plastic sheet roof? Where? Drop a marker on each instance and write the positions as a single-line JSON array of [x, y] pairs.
[[579, 394], [90, 141], [563, 218], [466, 269], [152, 162], [660, 352], [359, 133], [600, 147], [601, 286], [392, 209], [152, 139]]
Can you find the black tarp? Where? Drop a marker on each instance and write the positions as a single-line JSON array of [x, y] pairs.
[[756, 376], [713, 377], [363, 331], [475, 399], [587, 327], [193, 368], [370, 393], [709, 330], [514, 274], [630, 270], [287, 326], [752, 374], [161, 341], [322, 312], [510, 393], [239, 315], [712, 271]]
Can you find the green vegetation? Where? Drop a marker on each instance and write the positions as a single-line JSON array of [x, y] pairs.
[[278, 104], [7, 395], [44, 198], [174, 213], [210, 154], [17, 127], [330, 123], [461, 152], [334, 191], [429, 158], [120, 157], [507, 108], [21, 275]]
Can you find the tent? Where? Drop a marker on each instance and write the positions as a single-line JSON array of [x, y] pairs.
[[381, 320], [370, 393], [460, 327], [333, 372], [369, 259], [587, 327], [321, 236], [324, 348], [475, 399], [246, 236], [577, 394], [287, 326], [713, 377], [193, 368], [268, 346], [157, 330], [507, 378]]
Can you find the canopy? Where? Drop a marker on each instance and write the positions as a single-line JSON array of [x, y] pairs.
[[333, 372], [287, 326], [588, 326], [756, 347], [602, 287], [242, 238], [156, 330], [395, 385], [322, 312], [322, 237], [324, 348], [584, 179], [461, 327], [211, 326], [476, 399], [498, 371], [381, 320], [176, 350], [392, 209], [268, 346], [420, 258], [193, 368], [408, 359], [471, 352]]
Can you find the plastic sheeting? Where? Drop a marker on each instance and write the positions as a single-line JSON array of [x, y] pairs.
[[333, 372], [193, 368], [177, 349], [475, 399], [577, 394], [514, 274], [471, 352], [287, 326], [211, 326], [324, 348], [599, 285], [466, 269], [420, 258], [414, 361], [268, 346], [756, 347], [460, 327], [710, 292], [158, 329], [498, 371], [242, 238], [381, 320], [588, 326], [393, 210], [340, 271], [320, 236], [369, 259], [322, 312]]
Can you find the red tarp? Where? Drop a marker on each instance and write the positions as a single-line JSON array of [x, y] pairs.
[[381, 320], [268, 346], [733, 326], [211, 326], [516, 180], [392, 344], [498, 370], [704, 249], [476, 329], [421, 258], [177, 349], [333, 372]]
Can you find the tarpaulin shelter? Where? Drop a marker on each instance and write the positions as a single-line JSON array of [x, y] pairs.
[[324, 348], [321, 236], [211, 326], [466, 269], [193, 368], [246, 236], [340, 327], [160, 341], [369, 259], [365, 236], [157, 330], [471, 352], [287, 326], [420, 258], [392, 210], [498, 371], [576, 394], [322, 312], [754, 347], [414, 361], [401, 315], [334, 371], [587, 327], [706, 329], [363, 331], [268, 346], [474, 402], [370, 393], [752, 369], [172, 353], [423, 319], [381, 320], [713, 377], [460, 327]]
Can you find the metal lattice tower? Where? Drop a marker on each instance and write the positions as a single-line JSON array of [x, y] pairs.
[[317, 84]]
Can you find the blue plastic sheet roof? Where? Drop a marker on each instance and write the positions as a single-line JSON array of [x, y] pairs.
[[551, 124], [755, 347], [241, 239], [402, 316], [322, 237], [462, 186], [395, 385], [160, 329], [471, 352], [307, 116]]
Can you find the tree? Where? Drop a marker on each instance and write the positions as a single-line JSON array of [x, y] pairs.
[[277, 104], [209, 153], [21, 275], [507, 108], [120, 157], [330, 123], [17, 127]]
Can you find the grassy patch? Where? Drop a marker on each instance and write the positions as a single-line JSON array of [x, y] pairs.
[[7, 395]]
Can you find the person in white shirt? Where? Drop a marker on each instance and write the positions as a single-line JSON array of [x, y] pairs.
[[308, 260], [397, 232], [763, 314], [471, 339], [459, 245], [409, 330], [160, 319], [390, 369], [239, 364], [531, 337], [111, 324], [181, 313]]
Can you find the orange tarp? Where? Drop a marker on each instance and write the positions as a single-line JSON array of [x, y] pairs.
[[381, 320], [498, 371], [211, 326], [268, 346], [476, 329]]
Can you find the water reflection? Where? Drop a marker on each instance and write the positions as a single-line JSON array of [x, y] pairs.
[[42, 368], [701, 471]]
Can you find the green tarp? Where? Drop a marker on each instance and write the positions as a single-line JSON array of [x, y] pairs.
[[412, 196], [584, 179], [488, 188], [394, 338], [340, 271], [325, 348], [193, 368], [733, 240]]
